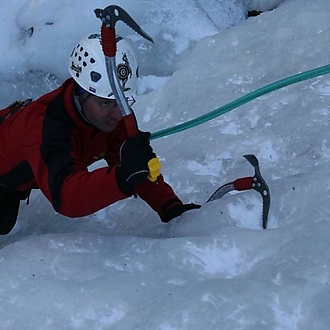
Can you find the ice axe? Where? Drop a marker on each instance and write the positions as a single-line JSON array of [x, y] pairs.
[[256, 182], [109, 17]]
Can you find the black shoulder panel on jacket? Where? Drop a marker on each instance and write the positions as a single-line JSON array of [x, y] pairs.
[[56, 147]]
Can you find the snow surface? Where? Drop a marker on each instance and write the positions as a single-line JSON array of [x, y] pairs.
[[213, 268]]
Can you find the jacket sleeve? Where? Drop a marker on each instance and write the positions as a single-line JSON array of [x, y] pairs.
[[160, 196]]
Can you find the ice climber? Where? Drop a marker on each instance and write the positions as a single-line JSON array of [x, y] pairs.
[[49, 143]]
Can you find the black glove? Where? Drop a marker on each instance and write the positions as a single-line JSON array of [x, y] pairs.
[[133, 169], [177, 210]]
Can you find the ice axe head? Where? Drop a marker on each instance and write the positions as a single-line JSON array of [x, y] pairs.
[[109, 17]]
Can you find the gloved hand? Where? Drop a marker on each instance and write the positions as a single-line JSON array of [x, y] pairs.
[[177, 210], [133, 169]]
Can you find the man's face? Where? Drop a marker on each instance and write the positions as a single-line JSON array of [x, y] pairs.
[[104, 114]]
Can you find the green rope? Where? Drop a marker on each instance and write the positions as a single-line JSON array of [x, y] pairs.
[[242, 100]]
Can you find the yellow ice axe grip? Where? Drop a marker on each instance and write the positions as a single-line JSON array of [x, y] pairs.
[[154, 169]]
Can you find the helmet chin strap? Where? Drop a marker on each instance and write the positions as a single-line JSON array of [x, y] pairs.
[[78, 101], [79, 97]]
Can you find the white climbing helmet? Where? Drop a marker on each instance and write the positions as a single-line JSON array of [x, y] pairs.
[[87, 67]]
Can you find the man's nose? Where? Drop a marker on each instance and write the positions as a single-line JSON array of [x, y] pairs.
[[115, 112]]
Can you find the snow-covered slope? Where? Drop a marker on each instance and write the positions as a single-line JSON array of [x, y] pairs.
[[213, 268]]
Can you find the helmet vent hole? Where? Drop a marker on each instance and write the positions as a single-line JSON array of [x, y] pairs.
[[95, 76], [86, 54], [79, 58], [92, 60], [84, 64], [81, 49]]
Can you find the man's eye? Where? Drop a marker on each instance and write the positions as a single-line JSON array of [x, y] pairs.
[[109, 104]]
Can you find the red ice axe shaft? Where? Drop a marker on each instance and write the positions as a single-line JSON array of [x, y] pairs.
[[109, 17]]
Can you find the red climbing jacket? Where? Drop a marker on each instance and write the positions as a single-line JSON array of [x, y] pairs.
[[48, 145]]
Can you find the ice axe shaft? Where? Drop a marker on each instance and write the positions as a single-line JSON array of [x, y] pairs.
[[109, 17], [126, 111]]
